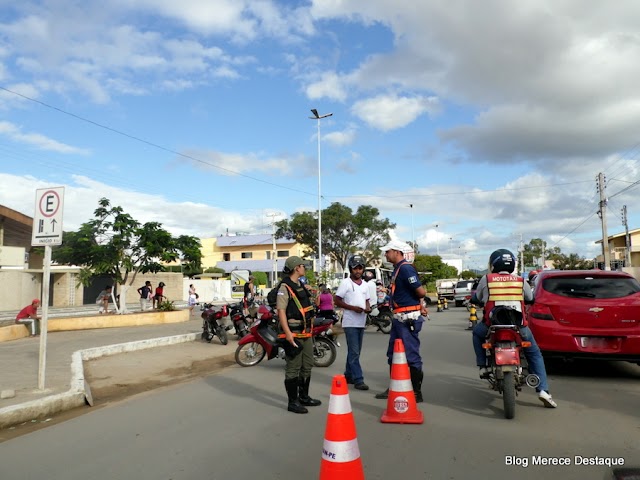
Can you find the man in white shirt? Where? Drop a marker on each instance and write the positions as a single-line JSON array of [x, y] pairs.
[[353, 297]]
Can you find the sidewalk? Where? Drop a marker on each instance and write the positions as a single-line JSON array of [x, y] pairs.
[[64, 372]]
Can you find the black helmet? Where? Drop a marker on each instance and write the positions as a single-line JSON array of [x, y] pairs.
[[368, 275], [356, 260], [502, 260]]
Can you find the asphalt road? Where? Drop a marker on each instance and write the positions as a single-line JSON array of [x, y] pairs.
[[234, 425]]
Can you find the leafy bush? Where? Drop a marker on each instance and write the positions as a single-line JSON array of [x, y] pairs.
[[166, 306]]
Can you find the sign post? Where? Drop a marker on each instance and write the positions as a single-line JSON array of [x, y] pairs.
[[47, 231]]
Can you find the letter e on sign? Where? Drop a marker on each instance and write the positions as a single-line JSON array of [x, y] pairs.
[[47, 221]]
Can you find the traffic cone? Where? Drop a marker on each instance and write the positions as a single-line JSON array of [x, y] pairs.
[[401, 403], [445, 306], [439, 305], [473, 318], [340, 451]]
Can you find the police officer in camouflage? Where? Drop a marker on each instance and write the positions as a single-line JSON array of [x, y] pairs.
[[296, 314]]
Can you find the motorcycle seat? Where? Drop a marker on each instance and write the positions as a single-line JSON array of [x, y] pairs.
[[318, 321]]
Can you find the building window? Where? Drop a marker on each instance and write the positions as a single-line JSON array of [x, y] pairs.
[[283, 253], [247, 255], [268, 255], [226, 257]]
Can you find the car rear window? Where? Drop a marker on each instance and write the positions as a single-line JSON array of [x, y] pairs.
[[592, 287], [463, 284]]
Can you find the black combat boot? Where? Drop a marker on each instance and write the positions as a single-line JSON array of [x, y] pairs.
[[291, 385], [385, 394], [416, 381], [305, 399]]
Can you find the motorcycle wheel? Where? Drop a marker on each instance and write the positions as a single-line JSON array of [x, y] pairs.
[[509, 395], [249, 354], [206, 333], [244, 330], [222, 335], [324, 352], [385, 322]]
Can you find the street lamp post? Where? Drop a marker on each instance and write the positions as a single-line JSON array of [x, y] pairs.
[[437, 241], [318, 117], [413, 235]]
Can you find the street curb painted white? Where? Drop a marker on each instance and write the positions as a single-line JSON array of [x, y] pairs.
[[75, 396]]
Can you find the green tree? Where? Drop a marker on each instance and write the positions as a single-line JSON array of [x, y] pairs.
[[437, 268], [117, 245], [535, 250], [570, 262], [260, 278], [468, 275], [343, 232]]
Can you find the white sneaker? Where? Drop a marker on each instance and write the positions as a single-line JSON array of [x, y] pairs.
[[546, 399]]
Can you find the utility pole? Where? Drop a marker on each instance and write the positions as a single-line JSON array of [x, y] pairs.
[[627, 239], [603, 218], [274, 272], [521, 256]]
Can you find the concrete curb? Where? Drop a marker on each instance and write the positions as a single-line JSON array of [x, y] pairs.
[[79, 394]]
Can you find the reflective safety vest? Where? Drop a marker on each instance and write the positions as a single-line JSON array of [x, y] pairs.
[[407, 308], [504, 289]]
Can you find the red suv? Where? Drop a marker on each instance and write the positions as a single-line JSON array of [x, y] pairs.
[[586, 314]]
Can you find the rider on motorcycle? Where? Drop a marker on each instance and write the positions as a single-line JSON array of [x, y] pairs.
[[498, 290]]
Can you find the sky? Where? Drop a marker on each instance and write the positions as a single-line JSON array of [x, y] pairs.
[[470, 125]]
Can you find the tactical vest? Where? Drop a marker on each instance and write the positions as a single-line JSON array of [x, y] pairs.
[[295, 318], [504, 287]]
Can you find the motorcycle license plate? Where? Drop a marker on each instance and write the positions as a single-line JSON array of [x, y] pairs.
[[507, 356]]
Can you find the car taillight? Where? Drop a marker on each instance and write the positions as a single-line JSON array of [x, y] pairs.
[[540, 312]]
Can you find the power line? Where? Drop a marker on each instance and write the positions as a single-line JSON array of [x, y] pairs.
[[155, 145]]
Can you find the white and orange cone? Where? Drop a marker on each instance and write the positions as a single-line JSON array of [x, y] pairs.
[[340, 451], [401, 403]]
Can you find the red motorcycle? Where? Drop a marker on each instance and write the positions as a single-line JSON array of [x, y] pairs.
[[212, 316], [263, 341], [238, 319], [506, 361]]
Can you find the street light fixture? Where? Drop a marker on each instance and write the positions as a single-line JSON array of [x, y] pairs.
[[318, 117]]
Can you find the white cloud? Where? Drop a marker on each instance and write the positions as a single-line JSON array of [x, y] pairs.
[[329, 86], [38, 140], [390, 112], [81, 197], [342, 138]]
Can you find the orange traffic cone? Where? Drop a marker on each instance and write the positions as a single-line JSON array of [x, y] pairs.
[[340, 452], [401, 403]]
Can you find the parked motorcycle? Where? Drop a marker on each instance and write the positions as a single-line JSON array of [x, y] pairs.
[[264, 341], [211, 322], [239, 322], [507, 363], [381, 316]]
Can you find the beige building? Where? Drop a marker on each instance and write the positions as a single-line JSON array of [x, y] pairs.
[[618, 249], [248, 252]]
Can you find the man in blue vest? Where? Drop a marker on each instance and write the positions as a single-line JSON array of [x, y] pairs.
[[409, 312], [501, 288]]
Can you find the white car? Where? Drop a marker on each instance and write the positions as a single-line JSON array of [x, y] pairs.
[[461, 291]]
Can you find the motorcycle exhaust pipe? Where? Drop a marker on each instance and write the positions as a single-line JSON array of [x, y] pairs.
[[532, 380]]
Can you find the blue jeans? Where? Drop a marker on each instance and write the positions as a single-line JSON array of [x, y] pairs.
[[532, 353], [353, 370], [410, 340]]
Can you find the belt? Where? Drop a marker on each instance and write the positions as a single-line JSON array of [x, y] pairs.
[[403, 317]]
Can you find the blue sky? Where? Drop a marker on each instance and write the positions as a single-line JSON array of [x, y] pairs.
[[491, 118]]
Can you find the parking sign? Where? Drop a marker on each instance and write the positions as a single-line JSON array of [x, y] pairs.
[[47, 221]]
